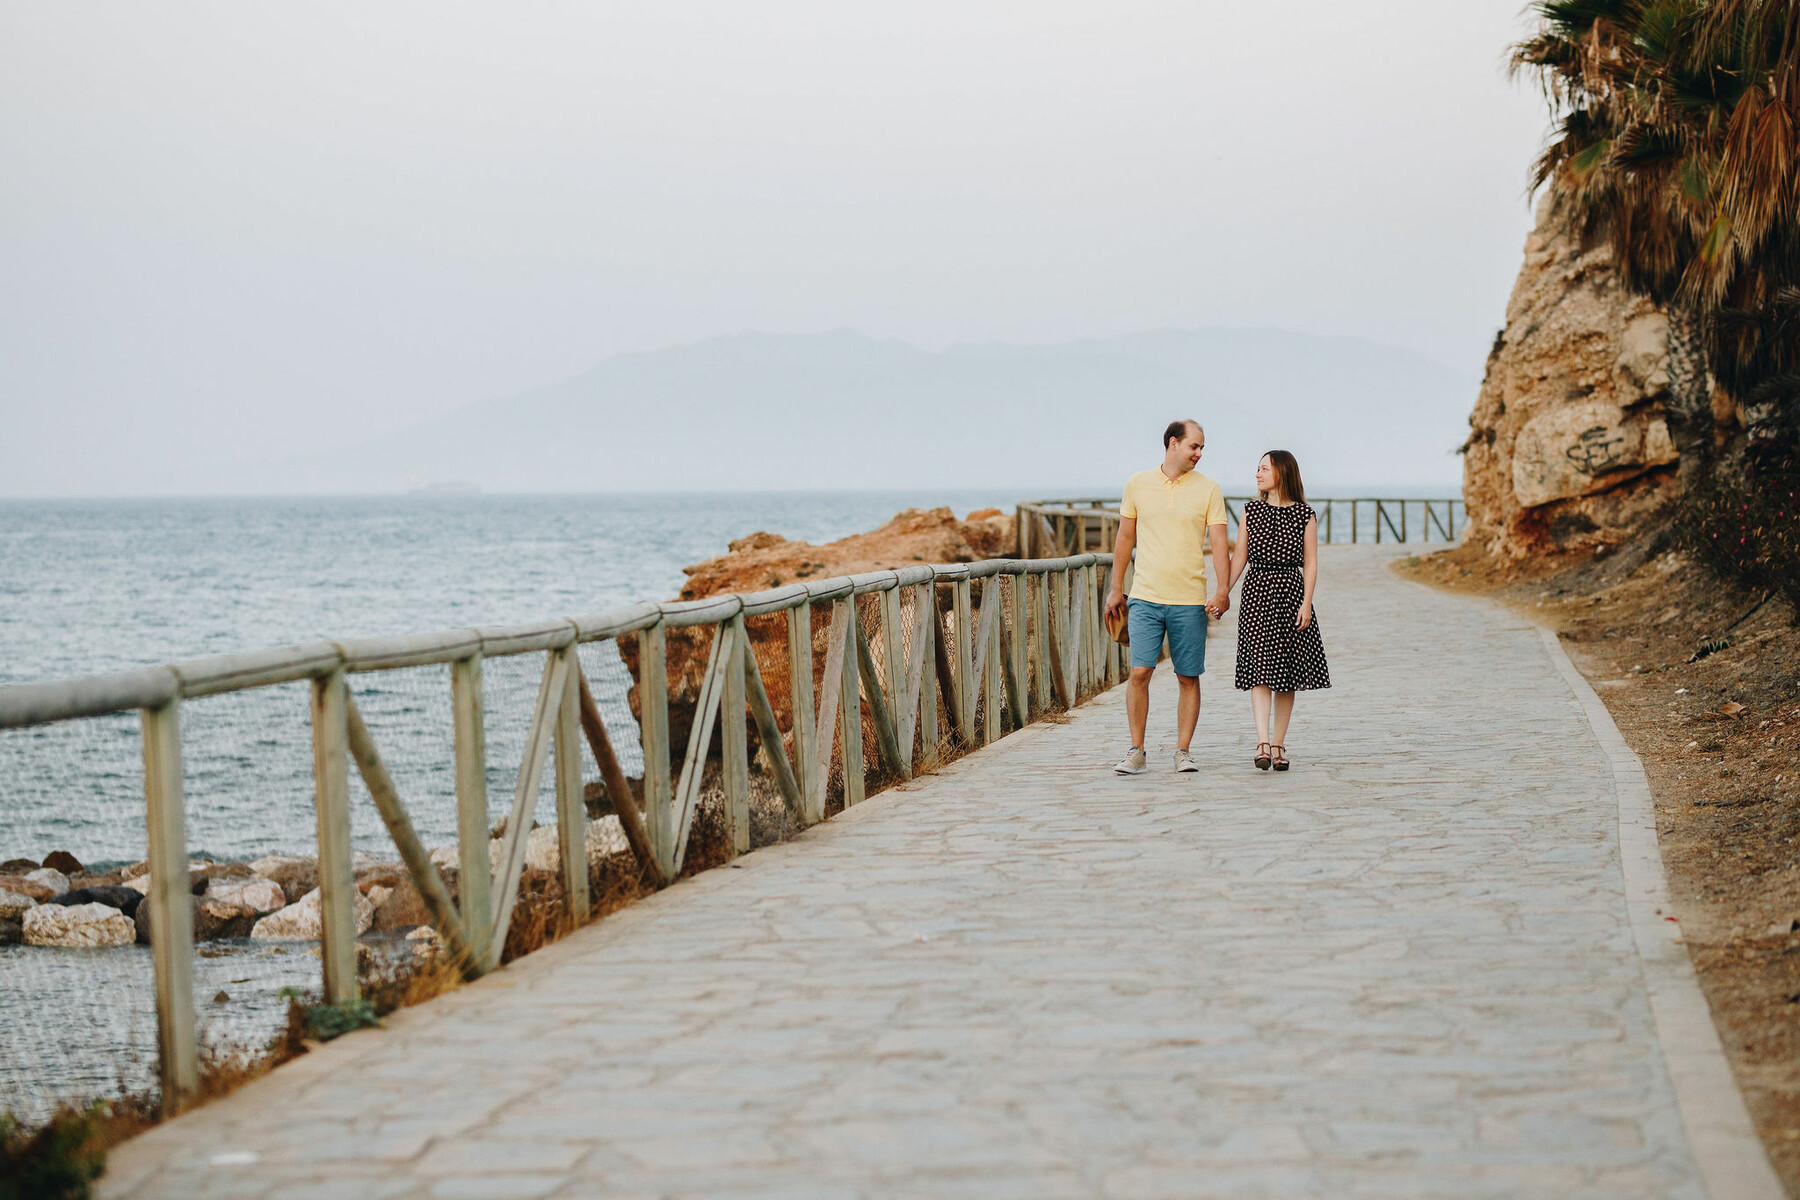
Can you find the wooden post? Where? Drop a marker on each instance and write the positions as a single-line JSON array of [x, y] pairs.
[[1039, 587], [760, 708], [735, 744], [925, 625], [1353, 507], [693, 762], [653, 723], [399, 824], [800, 700], [571, 811], [850, 709], [475, 902], [963, 633], [831, 699], [946, 671], [1058, 583], [538, 739], [337, 875], [887, 733], [171, 910], [991, 728], [893, 646], [1016, 697], [618, 788]]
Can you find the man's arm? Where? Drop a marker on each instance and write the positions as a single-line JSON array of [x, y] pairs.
[[1122, 548], [1221, 601]]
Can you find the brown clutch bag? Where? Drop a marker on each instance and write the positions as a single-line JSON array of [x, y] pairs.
[[1117, 627]]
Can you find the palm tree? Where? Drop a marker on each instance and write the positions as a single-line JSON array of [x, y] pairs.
[[1677, 146]]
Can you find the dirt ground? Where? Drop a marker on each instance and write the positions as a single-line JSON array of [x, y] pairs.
[[1704, 683]]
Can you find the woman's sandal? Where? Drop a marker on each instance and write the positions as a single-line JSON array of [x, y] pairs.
[[1281, 758], [1262, 756]]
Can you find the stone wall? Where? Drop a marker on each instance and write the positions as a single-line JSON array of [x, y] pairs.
[[1568, 449]]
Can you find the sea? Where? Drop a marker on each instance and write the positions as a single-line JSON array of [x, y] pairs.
[[93, 586]]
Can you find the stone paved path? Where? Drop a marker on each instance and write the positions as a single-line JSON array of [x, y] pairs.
[[1404, 969]]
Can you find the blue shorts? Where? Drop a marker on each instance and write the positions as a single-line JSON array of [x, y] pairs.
[[1185, 625]]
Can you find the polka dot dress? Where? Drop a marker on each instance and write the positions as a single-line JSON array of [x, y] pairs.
[[1271, 652]]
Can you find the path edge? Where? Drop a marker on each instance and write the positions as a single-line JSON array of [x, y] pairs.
[[1730, 1156]]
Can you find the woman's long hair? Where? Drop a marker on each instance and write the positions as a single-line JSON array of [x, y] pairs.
[[1287, 477]]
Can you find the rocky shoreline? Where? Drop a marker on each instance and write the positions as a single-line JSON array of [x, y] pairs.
[[57, 902]]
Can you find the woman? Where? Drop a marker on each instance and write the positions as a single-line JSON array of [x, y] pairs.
[[1279, 651]]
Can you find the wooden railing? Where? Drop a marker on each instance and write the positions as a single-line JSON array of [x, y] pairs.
[[1029, 642], [1059, 527]]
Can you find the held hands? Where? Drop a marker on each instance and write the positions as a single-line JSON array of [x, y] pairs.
[[1220, 605], [1303, 618]]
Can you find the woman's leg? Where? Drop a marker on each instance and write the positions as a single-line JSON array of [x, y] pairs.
[[1259, 703], [1284, 709]]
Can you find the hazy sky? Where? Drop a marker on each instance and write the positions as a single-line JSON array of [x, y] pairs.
[[233, 231]]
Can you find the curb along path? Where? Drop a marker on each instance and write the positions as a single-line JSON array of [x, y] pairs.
[[1406, 968]]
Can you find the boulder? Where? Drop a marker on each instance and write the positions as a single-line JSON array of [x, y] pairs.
[[216, 919], [49, 877], [18, 866], [77, 925], [300, 920], [213, 919], [86, 879], [261, 896], [400, 908], [63, 861], [543, 848], [141, 867], [125, 899], [14, 905], [25, 887], [11, 933], [297, 876], [1582, 448]]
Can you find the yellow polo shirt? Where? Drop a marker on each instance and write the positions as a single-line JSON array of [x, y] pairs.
[[1172, 516]]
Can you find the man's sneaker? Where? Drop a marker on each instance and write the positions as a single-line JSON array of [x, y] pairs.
[[1131, 764], [1185, 761]]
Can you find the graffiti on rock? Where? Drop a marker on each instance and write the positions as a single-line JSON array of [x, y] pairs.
[[1599, 448]]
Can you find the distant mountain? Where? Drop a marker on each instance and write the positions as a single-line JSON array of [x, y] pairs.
[[841, 410]]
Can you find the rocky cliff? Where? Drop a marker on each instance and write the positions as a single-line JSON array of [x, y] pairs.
[[1568, 449]]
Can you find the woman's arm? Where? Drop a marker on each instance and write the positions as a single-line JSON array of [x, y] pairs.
[[1241, 555], [1310, 571]]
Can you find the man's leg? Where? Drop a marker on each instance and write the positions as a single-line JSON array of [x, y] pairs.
[[1137, 703], [1187, 714], [1187, 654], [1145, 621]]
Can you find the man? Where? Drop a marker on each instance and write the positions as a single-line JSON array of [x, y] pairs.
[[1169, 513]]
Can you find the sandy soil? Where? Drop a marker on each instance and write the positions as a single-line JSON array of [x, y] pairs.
[[1704, 683]]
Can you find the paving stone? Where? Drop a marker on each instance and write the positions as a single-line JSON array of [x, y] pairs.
[[1405, 968]]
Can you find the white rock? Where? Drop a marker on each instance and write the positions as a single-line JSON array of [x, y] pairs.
[[78, 925], [300, 920], [139, 882], [257, 895], [272, 862], [49, 877], [444, 856], [543, 847], [378, 895], [13, 906], [1583, 448]]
